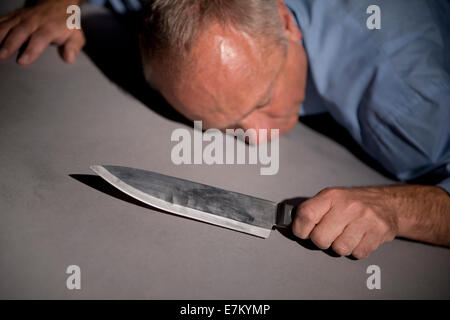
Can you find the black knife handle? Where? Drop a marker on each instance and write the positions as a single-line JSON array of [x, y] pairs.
[[285, 214]]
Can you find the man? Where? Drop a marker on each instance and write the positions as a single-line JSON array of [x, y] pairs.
[[259, 63]]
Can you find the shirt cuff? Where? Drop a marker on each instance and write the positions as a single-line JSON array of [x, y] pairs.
[[445, 184]]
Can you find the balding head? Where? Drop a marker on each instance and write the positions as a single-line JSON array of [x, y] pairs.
[[226, 73], [170, 28]]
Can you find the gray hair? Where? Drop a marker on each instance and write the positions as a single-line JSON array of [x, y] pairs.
[[169, 27]]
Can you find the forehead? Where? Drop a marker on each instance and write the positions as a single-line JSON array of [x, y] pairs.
[[229, 73]]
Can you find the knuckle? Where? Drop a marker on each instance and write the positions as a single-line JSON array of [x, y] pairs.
[[39, 37], [20, 30], [361, 253], [48, 32], [358, 254], [367, 214], [298, 230], [340, 248], [387, 236], [8, 25], [331, 192], [320, 239], [307, 212], [344, 245], [52, 27], [365, 250], [382, 227], [295, 227], [356, 206], [29, 22]]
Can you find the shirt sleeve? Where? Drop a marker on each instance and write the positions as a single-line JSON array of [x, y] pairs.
[[445, 185], [405, 117], [390, 88], [410, 140]]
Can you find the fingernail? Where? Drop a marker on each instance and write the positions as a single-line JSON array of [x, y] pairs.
[[3, 53], [23, 59]]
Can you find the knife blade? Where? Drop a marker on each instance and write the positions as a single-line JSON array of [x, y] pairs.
[[232, 210]]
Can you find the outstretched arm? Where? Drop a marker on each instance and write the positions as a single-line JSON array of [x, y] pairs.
[[357, 221]]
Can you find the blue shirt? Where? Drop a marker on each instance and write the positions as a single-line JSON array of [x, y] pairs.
[[389, 87]]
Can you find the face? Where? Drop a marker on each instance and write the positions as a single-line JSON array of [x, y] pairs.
[[237, 81]]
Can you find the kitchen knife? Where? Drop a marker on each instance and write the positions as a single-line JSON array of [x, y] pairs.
[[225, 208]]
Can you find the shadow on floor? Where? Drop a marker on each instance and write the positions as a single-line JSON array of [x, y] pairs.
[[112, 45], [327, 126], [101, 185]]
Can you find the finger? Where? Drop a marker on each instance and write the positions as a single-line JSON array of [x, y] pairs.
[[336, 220], [15, 39], [8, 16], [5, 28], [73, 45], [308, 214], [4, 18], [331, 226], [369, 243], [349, 239], [37, 44]]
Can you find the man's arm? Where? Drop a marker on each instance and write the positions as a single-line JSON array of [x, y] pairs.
[[392, 96], [357, 221], [424, 213], [40, 25]]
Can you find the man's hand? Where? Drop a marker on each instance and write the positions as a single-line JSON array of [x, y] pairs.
[[40, 25], [357, 221]]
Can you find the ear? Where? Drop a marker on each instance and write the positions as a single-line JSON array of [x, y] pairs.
[[291, 29], [146, 67]]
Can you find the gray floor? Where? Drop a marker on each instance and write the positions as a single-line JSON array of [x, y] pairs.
[[57, 119]]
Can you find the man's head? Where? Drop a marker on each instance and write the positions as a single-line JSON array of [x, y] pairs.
[[230, 63]]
